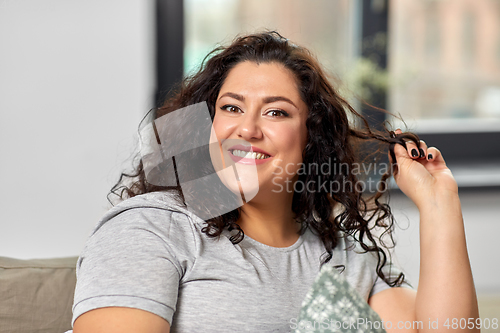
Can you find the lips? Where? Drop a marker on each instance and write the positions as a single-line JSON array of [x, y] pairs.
[[248, 155]]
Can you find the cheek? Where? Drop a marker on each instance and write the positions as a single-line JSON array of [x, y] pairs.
[[292, 140], [219, 128], [216, 136]]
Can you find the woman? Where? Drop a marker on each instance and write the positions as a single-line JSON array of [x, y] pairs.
[[153, 265]]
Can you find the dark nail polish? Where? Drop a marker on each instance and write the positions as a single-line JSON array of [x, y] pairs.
[[414, 152], [429, 156], [422, 154]]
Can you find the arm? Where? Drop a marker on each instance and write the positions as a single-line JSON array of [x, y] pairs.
[[120, 320], [128, 274], [446, 288]]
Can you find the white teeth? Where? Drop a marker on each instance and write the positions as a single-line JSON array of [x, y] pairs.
[[252, 155]]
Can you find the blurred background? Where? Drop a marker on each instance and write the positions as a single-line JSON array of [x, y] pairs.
[[77, 77]]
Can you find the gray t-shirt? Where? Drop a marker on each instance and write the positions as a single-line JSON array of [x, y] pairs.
[[149, 253]]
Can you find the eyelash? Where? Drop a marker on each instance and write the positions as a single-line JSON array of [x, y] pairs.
[[283, 113], [225, 107]]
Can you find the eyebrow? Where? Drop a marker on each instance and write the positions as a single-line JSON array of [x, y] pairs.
[[268, 99]]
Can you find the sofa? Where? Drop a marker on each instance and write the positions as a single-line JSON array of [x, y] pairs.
[[36, 295]]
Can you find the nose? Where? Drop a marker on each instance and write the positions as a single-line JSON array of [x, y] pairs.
[[249, 127]]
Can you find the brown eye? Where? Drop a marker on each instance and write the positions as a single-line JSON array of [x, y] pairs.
[[230, 108], [277, 113]]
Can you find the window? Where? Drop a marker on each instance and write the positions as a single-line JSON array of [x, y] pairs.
[[434, 62], [329, 28], [445, 81]]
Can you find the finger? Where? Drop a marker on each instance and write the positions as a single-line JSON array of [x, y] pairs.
[[401, 155], [402, 160], [412, 150], [434, 155], [422, 150]]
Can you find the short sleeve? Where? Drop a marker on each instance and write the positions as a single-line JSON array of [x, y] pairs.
[[133, 261]]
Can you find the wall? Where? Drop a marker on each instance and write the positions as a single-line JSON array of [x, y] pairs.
[[481, 211], [76, 78]]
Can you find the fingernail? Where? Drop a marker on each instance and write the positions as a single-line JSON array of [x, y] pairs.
[[422, 154], [414, 152], [429, 156]]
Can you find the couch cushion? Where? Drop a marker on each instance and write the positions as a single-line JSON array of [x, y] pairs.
[[36, 295]]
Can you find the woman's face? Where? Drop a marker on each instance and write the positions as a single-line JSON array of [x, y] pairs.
[[259, 112]]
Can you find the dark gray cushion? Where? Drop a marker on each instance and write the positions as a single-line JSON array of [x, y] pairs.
[[36, 295]]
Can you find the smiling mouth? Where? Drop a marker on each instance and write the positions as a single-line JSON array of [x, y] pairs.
[[248, 154]]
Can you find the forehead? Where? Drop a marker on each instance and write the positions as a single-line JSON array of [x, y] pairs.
[[262, 79]]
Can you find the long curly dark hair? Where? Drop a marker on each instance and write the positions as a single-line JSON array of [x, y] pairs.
[[331, 137]]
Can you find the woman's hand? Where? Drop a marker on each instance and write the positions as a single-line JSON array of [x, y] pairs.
[[422, 173]]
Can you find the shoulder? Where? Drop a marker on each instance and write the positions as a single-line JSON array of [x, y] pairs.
[[159, 204], [145, 226], [136, 256], [158, 212]]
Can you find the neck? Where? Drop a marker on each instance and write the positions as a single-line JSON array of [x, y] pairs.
[[270, 221]]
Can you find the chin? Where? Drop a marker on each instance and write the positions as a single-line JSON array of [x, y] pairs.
[[241, 179], [247, 183]]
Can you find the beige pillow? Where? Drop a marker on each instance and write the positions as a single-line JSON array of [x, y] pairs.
[[36, 295]]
